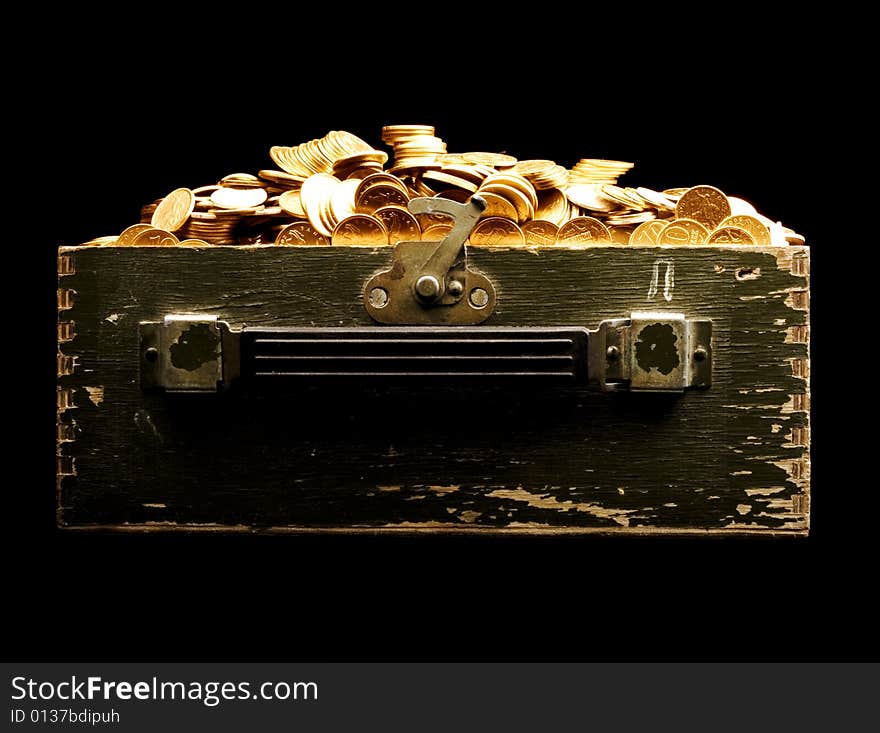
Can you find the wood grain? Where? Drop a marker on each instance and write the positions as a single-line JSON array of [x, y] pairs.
[[734, 458]]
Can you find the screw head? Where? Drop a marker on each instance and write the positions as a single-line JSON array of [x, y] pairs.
[[479, 298], [378, 297], [700, 354], [612, 353], [454, 288], [427, 287], [151, 354]]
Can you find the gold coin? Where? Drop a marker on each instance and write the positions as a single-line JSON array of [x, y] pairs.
[[552, 206], [342, 201], [589, 196], [704, 204], [648, 232], [100, 241], [401, 225], [238, 198], [155, 238], [128, 235], [497, 231], [683, 231], [360, 229], [436, 232], [290, 202], [379, 179], [450, 180], [522, 206], [760, 233], [375, 197], [194, 243], [174, 210], [300, 232], [540, 232], [315, 196], [497, 206], [584, 230], [731, 235], [533, 167], [620, 234], [493, 159]]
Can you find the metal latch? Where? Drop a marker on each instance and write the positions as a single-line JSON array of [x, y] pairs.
[[429, 283], [647, 352]]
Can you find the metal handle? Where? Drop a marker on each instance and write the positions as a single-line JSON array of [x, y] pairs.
[[656, 352]]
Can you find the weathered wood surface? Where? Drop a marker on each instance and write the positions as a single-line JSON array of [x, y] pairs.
[[734, 458]]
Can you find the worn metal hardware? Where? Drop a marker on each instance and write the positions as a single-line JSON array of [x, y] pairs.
[[648, 352], [427, 282], [653, 352], [182, 353]]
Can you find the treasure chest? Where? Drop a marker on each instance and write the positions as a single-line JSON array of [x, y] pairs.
[[435, 385]]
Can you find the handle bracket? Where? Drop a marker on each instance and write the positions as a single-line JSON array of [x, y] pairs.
[[647, 352]]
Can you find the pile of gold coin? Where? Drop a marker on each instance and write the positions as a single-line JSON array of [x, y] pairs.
[[340, 190]]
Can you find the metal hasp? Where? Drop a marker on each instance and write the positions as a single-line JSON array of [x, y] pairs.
[[429, 283], [648, 352], [652, 352]]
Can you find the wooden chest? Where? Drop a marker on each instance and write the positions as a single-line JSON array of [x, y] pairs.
[[531, 422]]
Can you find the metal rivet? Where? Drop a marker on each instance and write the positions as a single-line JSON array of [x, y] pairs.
[[700, 354], [612, 353], [378, 297], [454, 288], [151, 354], [479, 298], [427, 287]]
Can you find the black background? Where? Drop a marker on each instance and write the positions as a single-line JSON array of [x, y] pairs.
[[114, 119]]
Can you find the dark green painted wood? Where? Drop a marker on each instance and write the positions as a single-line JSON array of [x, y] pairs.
[[733, 457]]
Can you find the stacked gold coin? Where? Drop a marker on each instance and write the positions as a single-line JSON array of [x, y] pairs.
[[337, 190]]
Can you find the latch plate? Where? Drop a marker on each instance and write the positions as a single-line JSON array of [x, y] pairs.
[[654, 352], [182, 353]]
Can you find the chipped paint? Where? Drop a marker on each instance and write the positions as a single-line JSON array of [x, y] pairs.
[[388, 488], [764, 491], [748, 273], [114, 317], [743, 508], [443, 490], [775, 428], [469, 516], [156, 505], [797, 334], [547, 501], [96, 394], [741, 473]]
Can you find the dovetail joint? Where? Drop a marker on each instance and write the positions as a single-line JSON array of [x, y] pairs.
[[66, 364], [65, 299], [65, 265], [800, 299], [800, 264], [65, 331], [800, 503], [65, 432], [65, 465], [65, 400], [800, 436], [800, 368]]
